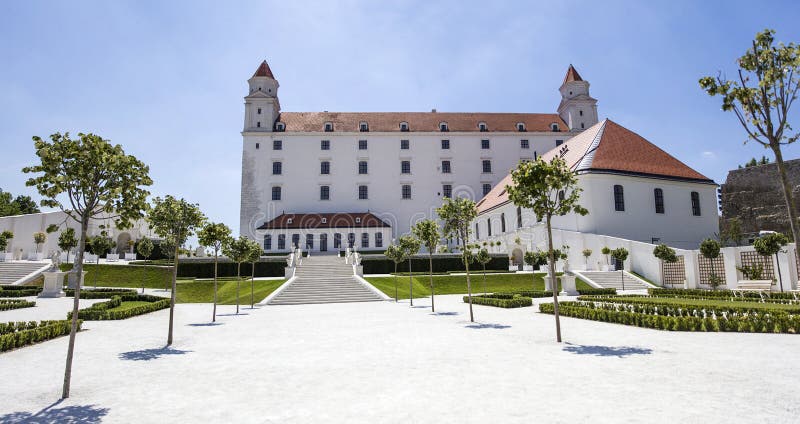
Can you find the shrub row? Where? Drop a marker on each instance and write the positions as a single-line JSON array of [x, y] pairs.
[[534, 293], [8, 304], [718, 293], [19, 291], [379, 264], [718, 307], [18, 334], [205, 268], [500, 302], [597, 292], [731, 299], [752, 323], [105, 293], [102, 310]]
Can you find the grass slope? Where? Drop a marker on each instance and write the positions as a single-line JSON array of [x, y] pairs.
[[203, 291], [457, 284]]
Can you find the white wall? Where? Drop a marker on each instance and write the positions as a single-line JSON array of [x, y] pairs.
[[316, 232]]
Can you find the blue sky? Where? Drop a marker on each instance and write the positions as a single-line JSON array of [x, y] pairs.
[[166, 79]]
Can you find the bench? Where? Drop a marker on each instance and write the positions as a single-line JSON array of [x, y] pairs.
[[754, 285]]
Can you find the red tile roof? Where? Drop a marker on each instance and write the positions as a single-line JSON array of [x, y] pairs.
[[572, 75], [419, 121], [263, 70], [607, 147], [332, 220]]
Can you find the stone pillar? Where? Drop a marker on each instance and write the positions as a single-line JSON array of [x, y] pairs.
[[783, 264], [548, 283], [568, 285], [73, 279], [53, 284], [729, 255], [692, 271]]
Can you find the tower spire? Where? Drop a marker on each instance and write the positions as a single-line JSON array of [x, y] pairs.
[[571, 76], [264, 71], [578, 109]]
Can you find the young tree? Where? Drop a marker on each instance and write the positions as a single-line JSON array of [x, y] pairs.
[[709, 248], [396, 255], [175, 221], [771, 244], [410, 246], [214, 235], [733, 231], [253, 256], [549, 189], [144, 248], [533, 259], [98, 180], [99, 245], [7, 235], [237, 250], [483, 258], [620, 254], [457, 215], [665, 254], [606, 252], [761, 97], [39, 238], [427, 232], [67, 240], [586, 254]]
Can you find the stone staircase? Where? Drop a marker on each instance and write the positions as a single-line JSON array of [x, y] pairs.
[[324, 279], [613, 280], [13, 272]]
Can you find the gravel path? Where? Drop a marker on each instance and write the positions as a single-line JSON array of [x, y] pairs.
[[384, 362]]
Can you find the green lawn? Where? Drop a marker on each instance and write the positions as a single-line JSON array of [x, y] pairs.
[[125, 276], [203, 291], [124, 306], [457, 284]]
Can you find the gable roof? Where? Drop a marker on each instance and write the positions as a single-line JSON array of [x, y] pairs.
[[331, 220], [263, 71], [572, 75], [607, 147], [419, 121]]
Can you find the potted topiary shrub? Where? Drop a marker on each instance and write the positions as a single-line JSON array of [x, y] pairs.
[[586, 254], [7, 255], [130, 255], [38, 239], [606, 252], [771, 244], [620, 254], [665, 254], [709, 248]]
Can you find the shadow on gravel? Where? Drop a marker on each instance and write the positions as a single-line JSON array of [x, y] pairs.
[[492, 326], [150, 354], [231, 315], [68, 414], [205, 324], [619, 352], [448, 314]]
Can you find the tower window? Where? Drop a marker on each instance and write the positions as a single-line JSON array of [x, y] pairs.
[[477, 232], [443, 127], [486, 188], [325, 167], [324, 193], [695, 203], [280, 126], [403, 144], [520, 126], [580, 113], [258, 145], [446, 167], [658, 194], [258, 124], [582, 125], [554, 127], [487, 166], [482, 127], [519, 217], [524, 144], [405, 167], [362, 144], [404, 126], [363, 127], [325, 145], [276, 193], [277, 145], [328, 126], [619, 198], [447, 190], [258, 111], [362, 167], [277, 168], [485, 144], [363, 193], [406, 191], [445, 144]]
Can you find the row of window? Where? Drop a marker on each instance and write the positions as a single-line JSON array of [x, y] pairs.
[[323, 241], [363, 191], [363, 126], [658, 198], [404, 144], [363, 167], [502, 224]]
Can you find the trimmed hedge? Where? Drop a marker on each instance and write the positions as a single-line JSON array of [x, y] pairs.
[[8, 304], [597, 292], [379, 264], [719, 293], [205, 268], [534, 293], [500, 301], [105, 293], [18, 334], [102, 310], [752, 323], [688, 307], [19, 291]]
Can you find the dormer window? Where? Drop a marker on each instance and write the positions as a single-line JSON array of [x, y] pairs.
[[482, 127], [324, 220], [328, 126], [280, 126], [358, 220], [520, 126], [404, 126], [554, 127], [443, 127], [363, 127], [289, 221]]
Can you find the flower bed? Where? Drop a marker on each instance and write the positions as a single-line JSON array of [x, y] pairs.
[[18, 334], [114, 308], [501, 300], [8, 304]]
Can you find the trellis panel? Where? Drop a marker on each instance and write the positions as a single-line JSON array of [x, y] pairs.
[[753, 258], [705, 269], [673, 273]]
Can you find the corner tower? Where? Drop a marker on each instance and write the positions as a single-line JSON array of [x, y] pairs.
[[261, 105], [577, 108]]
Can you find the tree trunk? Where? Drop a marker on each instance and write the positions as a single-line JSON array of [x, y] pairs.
[[252, 284], [778, 265], [174, 289], [484, 279], [430, 274], [238, 284], [466, 266], [214, 313], [75, 304], [410, 282], [395, 283], [787, 191], [551, 269]]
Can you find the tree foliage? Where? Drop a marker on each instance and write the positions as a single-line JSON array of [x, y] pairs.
[[457, 215], [145, 247], [665, 253], [427, 232], [20, 205], [770, 244], [710, 248]]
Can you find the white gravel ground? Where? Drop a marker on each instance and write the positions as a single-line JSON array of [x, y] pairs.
[[384, 362]]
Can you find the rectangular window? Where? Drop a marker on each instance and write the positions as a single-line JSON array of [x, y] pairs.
[[484, 144], [276, 193], [363, 194], [323, 242], [325, 167], [477, 232], [502, 223], [619, 198], [277, 145], [362, 167], [277, 168], [295, 240], [378, 239], [281, 241], [257, 145], [351, 239], [659, 198], [406, 191], [519, 217], [446, 167], [695, 203], [259, 111], [559, 142], [524, 144], [324, 192], [309, 241], [487, 166], [405, 167], [445, 144], [447, 190], [486, 188], [363, 127], [267, 242], [337, 240], [403, 144], [325, 145], [364, 240], [362, 144], [489, 226]]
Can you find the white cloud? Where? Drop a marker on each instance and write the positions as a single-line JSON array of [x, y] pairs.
[[709, 154]]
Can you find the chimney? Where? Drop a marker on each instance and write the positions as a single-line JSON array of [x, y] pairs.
[[433, 110]]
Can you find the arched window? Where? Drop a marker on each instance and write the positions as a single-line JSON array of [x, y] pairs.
[[328, 126], [695, 203], [502, 223], [363, 126], [482, 127], [554, 127], [443, 127], [280, 126], [619, 198], [658, 196], [580, 113], [477, 231], [519, 217], [404, 126], [520, 126], [489, 226]]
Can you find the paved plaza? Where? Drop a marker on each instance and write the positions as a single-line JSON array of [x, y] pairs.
[[384, 362]]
